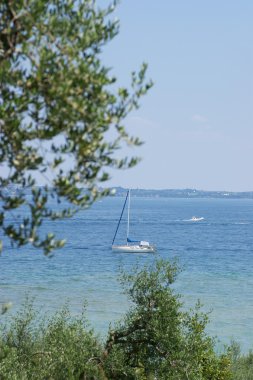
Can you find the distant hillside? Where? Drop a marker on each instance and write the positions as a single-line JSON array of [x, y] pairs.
[[184, 193], [166, 193]]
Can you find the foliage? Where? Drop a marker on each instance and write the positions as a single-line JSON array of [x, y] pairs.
[[242, 365], [57, 103], [59, 348], [157, 339]]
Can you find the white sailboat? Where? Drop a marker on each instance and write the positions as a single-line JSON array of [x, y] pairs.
[[131, 245]]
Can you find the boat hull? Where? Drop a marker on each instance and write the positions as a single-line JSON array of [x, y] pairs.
[[134, 248]]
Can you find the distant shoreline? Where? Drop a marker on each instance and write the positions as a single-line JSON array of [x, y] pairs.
[[184, 193], [154, 193]]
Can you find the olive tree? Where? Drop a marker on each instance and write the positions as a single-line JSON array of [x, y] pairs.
[[57, 103], [159, 338]]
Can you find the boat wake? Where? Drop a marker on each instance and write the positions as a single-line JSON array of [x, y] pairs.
[[194, 219]]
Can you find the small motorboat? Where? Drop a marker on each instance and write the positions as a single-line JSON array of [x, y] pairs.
[[196, 219]]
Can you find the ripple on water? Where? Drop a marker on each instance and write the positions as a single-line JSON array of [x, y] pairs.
[[215, 254]]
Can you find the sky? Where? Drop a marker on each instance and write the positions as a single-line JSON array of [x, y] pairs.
[[197, 119]]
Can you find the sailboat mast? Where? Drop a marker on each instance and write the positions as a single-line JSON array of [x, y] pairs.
[[128, 214], [120, 218]]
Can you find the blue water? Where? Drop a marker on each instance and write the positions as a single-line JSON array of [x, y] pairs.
[[216, 256]]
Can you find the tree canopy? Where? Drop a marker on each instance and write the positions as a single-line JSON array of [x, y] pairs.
[[57, 103], [158, 338]]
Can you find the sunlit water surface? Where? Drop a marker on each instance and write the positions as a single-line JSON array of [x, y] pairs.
[[216, 256]]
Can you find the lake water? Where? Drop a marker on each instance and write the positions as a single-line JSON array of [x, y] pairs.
[[216, 255]]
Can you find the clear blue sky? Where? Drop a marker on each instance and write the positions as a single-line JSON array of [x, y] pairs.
[[197, 119]]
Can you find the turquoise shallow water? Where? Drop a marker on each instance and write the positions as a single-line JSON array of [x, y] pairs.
[[216, 256]]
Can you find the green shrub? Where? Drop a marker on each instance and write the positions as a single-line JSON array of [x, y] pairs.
[[156, 340], [60, 347], [242, 365]]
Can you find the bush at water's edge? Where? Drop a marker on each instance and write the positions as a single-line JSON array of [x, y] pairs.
[[155, 340]]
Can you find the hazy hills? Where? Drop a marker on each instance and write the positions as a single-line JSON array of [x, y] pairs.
[[184, 193]]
